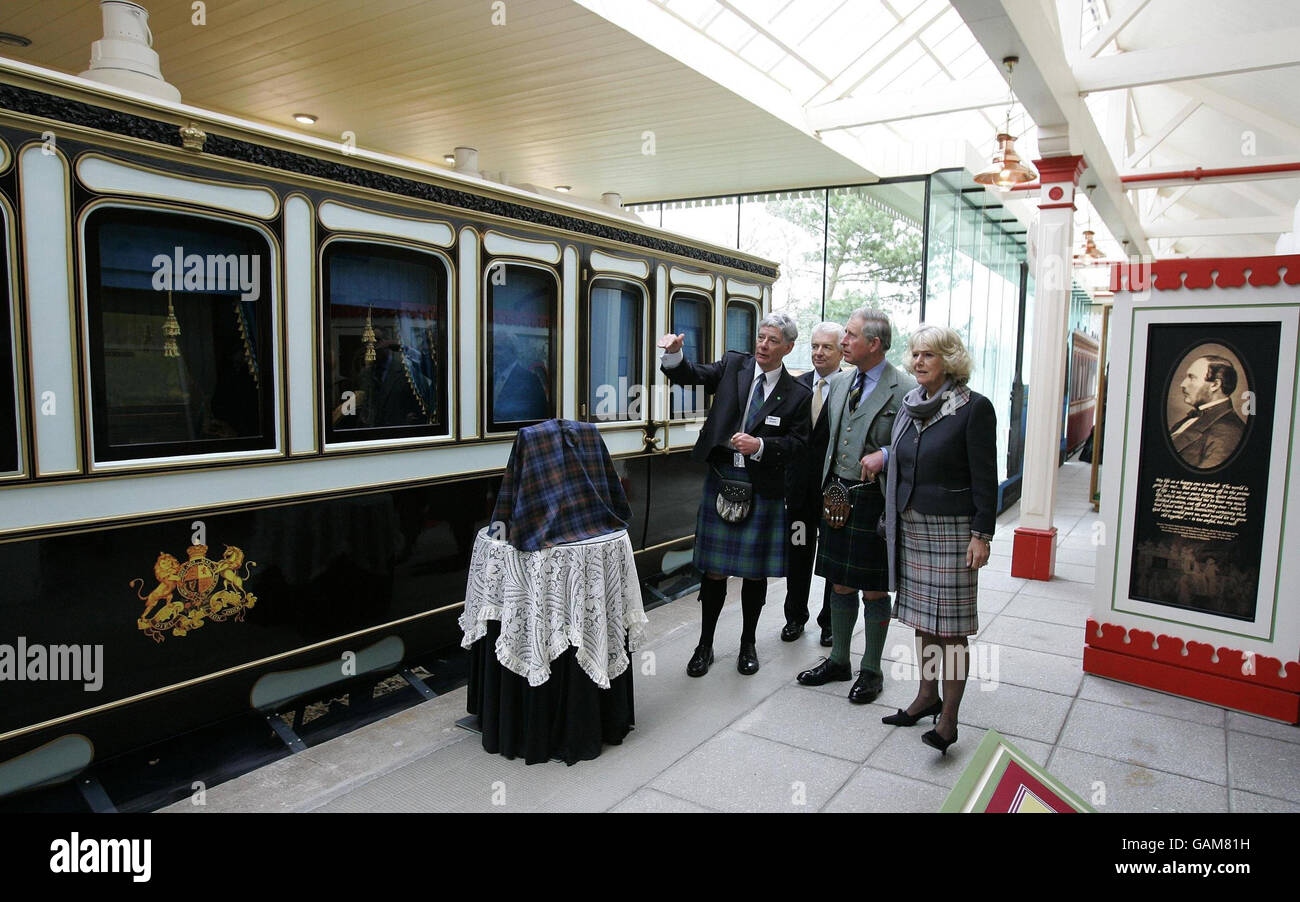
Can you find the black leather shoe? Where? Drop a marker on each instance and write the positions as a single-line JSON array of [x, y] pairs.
[[903, 719], [826, 637], [747, 662], [866, 688], [700, 661], [825, 672], [791, 631], [935, 741]]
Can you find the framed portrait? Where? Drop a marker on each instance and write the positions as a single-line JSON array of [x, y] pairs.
[[1205, 446]]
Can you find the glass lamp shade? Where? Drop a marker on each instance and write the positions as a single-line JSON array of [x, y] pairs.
[[1006, 171]]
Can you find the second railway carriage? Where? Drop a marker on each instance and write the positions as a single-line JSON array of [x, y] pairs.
[[256, 393]]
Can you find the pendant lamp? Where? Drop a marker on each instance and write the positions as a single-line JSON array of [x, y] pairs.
[[1006, 171]]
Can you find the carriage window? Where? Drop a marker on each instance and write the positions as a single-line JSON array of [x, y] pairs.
[[8, 385], [742, 326], [385, 373], [179, 319], [522, 303], [615, 327], [690, 317]]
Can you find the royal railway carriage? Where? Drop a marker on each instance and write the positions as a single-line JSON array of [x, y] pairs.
[[257, 390]]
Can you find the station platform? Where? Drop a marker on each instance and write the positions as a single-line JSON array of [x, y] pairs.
[[731, 743]]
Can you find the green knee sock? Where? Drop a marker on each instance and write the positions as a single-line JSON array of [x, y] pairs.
[[844, 617], [875, 635]]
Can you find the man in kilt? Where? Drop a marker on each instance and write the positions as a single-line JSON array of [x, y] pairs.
[[852, 556], [758, 425]]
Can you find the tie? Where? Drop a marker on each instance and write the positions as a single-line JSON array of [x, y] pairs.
[[855, 394], [755, 404], [817, 401]]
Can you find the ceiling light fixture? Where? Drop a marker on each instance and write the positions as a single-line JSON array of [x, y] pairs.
[[449, 158], [304, 118], [14, 40], [564, 189], [1006, 170]]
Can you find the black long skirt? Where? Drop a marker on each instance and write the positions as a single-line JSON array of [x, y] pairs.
[[568, 717]]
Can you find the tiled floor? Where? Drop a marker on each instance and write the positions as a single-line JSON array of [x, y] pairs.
[[763, 743]]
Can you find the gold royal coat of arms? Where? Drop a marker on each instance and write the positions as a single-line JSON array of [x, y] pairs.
[[209, 590]]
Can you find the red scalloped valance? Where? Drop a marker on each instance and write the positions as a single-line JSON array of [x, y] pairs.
[[1224, 272]]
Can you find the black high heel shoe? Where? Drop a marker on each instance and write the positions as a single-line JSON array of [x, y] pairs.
[[903, 719], [934, 740]]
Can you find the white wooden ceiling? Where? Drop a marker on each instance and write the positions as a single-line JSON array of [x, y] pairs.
[[555, 96]]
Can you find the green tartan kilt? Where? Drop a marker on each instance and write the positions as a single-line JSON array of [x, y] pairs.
[[751, 549], [855, 555]]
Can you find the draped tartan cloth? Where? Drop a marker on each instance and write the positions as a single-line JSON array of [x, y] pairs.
[[559, 486]]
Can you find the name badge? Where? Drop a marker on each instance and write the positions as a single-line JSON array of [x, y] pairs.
[[738, 460], [772, 421]]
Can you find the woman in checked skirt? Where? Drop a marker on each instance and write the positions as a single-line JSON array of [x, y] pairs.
[[940, 507]]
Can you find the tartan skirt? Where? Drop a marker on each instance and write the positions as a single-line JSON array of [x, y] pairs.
[[754, 548], [936, 590], [855, 555]]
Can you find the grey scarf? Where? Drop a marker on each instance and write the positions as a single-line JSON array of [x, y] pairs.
[[920, 408]]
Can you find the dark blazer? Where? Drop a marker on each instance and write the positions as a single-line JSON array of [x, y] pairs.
[[1210, 440], [729, 381], [804, 478], [950, 468]]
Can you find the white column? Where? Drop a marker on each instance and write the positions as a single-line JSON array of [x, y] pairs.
[[1034, 550]]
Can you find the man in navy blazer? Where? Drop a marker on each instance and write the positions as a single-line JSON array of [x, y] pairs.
[[757, 427], [806, 489]]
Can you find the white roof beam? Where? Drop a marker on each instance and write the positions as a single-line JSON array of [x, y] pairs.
[[851, 112], [1151, 143], [1162, 205], [1209, 59], [1111, 29], [1243, 112], [1046, 88], [1218, 228]]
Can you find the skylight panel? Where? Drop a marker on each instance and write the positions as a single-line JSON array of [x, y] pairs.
[[697, 12], [730, 31], [763, 54], [796, 77]]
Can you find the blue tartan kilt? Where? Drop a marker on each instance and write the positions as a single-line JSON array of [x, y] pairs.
[[751, 549], [855, 555]]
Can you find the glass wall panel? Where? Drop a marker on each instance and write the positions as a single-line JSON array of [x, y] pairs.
[[712, 219], [8, 375], [689, 314], [522, 302], [973, 286], [742, 326], [386, 316], [179, 320], [874, 249], [615, 340], [789, 228]]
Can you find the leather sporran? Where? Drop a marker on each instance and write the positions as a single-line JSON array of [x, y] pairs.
[[836, 506], [735, 500]]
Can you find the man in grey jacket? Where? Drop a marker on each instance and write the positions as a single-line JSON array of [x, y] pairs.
[[863, 404]]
